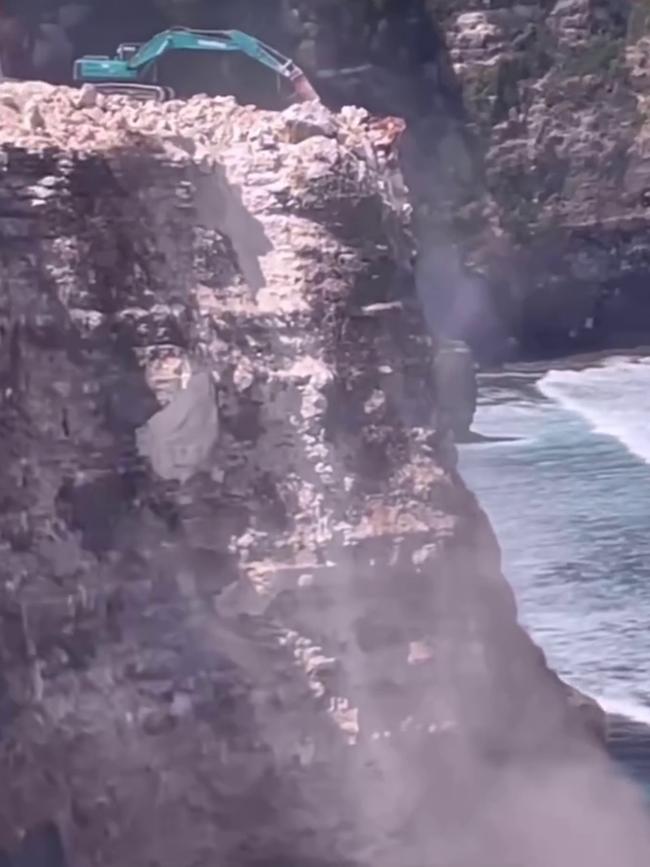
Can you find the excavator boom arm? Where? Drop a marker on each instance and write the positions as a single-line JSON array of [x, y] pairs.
[[179, 39]]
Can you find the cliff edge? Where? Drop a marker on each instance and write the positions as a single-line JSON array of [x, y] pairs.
[[250, 614]]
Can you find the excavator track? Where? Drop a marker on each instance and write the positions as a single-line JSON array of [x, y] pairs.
[[139, 92]]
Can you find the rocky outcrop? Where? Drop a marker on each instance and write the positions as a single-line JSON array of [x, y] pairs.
[[456, 387], [250, 614]]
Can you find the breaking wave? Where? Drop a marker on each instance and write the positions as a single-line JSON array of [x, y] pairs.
[[613, 398], [632, 710]]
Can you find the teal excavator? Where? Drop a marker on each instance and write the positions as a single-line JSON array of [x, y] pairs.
[[133, 71]]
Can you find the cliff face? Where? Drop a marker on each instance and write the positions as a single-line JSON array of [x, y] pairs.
[[526, 157], [250, 614], [525, 150]]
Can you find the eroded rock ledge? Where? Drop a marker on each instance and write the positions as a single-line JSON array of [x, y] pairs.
[[250, 614]]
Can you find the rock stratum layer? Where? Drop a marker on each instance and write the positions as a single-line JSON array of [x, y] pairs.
[[249, 613]]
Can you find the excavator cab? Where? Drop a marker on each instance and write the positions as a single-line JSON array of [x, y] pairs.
[[127, 50]]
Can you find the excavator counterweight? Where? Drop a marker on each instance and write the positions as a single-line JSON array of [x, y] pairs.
[[133, 69]]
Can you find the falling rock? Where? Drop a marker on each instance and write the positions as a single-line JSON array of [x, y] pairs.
[[456, 387], [179, 438], [305, 120]]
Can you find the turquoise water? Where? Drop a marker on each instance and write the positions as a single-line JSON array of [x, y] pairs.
[[570, 502]]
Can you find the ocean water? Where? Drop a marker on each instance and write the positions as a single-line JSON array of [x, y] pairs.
[[569, 498]]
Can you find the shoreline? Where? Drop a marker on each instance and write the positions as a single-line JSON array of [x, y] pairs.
[[628, 744], [579, 361], [522, 376], [627, 736]]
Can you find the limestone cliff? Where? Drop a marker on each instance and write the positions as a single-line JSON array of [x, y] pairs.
[[525, 150], [249, 613]]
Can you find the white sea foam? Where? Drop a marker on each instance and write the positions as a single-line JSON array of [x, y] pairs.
[[521, 420], [613, 398], [625, 707]]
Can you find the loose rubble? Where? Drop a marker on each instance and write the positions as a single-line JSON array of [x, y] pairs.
[[35, 115]]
